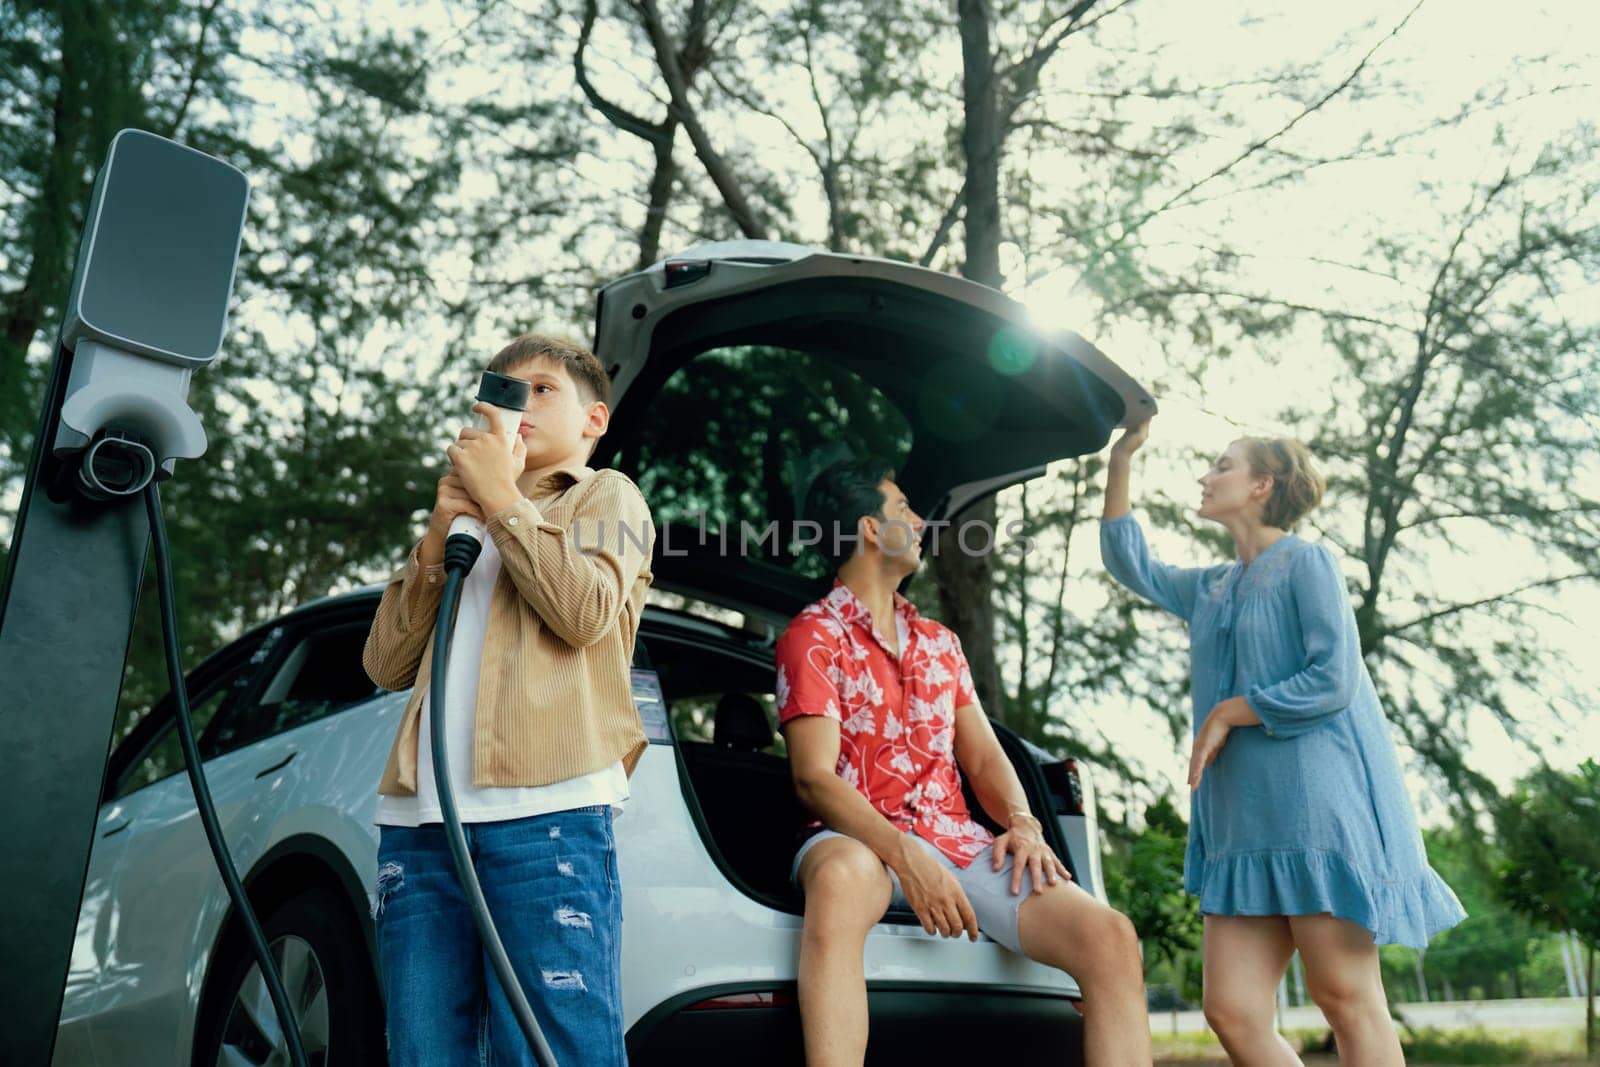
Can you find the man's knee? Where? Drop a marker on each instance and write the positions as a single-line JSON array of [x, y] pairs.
[[846, 887], [1092, 941], [1116, 943]]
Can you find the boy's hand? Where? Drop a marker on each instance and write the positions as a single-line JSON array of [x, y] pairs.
[[487, 467], [452, 499]]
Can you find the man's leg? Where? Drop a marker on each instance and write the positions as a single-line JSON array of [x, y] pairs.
[[847, 890], [1067, 928], [1343, 978], [1245, 956], [429, 952], [551, 885]]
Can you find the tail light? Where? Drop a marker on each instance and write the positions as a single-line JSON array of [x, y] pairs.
[[767, 999], [1065, 786]]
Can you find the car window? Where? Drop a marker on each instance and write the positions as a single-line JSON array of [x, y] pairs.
[[321, 675], [696, 676], [165, 756], [721, 437]]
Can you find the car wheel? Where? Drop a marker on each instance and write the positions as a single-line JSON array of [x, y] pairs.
[[326, 975]]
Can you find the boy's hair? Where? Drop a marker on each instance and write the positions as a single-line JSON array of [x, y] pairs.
[[582, 365], [838, 496]]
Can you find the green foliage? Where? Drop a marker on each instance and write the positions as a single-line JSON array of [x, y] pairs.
[[1145, 882], [1484, 955], [1552, 869], [1550, 831]]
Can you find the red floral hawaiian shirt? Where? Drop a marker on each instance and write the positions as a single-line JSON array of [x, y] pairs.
[[896, 717]]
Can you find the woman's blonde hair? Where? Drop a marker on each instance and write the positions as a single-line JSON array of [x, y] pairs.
[[1297, 485]]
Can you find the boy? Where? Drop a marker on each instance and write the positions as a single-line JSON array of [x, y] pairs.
[[542, 733], [877, 706]]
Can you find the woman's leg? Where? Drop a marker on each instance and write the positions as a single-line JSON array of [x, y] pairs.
[[1343, 978], [1245, 957]]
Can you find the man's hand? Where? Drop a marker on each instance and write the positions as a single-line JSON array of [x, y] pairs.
[[933, 892], [1235, 711], [486, 466], [1028, 852]]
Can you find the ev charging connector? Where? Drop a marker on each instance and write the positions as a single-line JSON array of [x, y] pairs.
[[510, 395], [461, 548]]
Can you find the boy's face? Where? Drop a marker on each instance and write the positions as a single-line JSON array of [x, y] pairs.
[[559, 424]]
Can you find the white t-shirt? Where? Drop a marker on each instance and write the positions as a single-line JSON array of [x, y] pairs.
[[609, 785]]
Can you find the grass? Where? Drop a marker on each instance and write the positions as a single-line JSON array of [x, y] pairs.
[[1455, 1048]]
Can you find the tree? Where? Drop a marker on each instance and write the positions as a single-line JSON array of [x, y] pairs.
[[1493, 944], [1147, 887], [1551, 872], [1467, 428]]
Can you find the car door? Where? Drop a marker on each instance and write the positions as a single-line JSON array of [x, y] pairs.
[[92, 945], [165, 891], [987, 399]]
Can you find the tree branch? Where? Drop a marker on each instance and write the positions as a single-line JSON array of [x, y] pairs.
[[1454, 609], [952, 215], [1257, 146], [621, 118], [722, 176]]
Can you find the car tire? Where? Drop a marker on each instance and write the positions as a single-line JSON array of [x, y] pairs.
[[326, 973]]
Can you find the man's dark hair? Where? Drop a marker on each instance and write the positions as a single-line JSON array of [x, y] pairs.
[[838, 496]]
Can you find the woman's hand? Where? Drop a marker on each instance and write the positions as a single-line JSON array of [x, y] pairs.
[[1235, 711], [1122, 451], [1130, 441]]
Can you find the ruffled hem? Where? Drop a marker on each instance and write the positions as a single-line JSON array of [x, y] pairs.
[[1313, 881]]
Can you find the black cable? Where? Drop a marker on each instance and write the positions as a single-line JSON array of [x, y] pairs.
[[202, 794], [461, 551]]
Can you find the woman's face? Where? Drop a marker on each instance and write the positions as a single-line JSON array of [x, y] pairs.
[[1229, 488]]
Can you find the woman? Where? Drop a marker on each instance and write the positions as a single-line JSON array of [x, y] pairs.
[[1301, 834]]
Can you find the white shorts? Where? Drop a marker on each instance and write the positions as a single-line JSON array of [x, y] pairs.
[[988, 890]]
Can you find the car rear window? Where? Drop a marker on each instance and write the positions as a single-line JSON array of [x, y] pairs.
[[720, 444]]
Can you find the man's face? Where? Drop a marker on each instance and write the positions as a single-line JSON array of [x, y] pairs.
[[559, 422], [899, 529]]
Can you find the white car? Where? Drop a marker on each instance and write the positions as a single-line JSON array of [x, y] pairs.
[[726, 360]]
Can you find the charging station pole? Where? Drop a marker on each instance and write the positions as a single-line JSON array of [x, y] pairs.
[[148, 306]]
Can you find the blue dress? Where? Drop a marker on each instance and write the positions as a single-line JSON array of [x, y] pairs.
[[1308, 812]]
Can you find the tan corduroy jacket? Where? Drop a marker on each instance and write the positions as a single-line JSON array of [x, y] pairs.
[[554, 699]]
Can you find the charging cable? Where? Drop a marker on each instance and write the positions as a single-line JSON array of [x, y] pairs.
[[202, 793], [461, 549]]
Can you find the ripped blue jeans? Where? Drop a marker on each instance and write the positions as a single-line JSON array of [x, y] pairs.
[[551, 884]]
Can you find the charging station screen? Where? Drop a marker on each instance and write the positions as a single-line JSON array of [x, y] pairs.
[[161, 265]]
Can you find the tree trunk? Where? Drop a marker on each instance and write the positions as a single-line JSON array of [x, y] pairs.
[[666, 173], [1588, 1014], [966, 582]]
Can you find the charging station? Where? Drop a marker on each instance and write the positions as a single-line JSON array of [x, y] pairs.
[[147, 307]]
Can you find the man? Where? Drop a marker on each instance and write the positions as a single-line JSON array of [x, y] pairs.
[[877, 707], [542, 733]]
